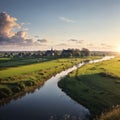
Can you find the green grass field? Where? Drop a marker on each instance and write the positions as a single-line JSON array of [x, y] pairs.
[[15, 69], [21, 77], [96, 86], [13, 62]]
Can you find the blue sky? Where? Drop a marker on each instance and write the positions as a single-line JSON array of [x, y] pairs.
[[94, 24]]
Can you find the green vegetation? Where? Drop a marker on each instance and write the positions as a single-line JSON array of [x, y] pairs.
[[4, 59], [23, 77], [13, 62], [96, 86]]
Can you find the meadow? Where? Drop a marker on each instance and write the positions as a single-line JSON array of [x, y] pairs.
[[14, 62], [97, 87], [22, 74]]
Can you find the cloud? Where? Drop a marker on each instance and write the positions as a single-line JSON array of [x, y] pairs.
[[8, 37], [42, 40], [25, 29], [21, 38], [90, 45], [80, 41], [73, 40], [7, 24], [67, 20], [76, 41], [61, 44], [36, 36], [25, 23]]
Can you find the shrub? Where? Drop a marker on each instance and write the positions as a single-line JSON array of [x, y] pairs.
[[16, 89], [29, 83], [21, 85], [4, 92]]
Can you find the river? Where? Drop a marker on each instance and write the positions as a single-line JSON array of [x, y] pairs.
[[48, 102]]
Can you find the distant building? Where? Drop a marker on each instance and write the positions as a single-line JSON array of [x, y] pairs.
[[49, 53], [67, 53]]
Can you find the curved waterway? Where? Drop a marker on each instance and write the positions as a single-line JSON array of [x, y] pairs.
[[47, 103]]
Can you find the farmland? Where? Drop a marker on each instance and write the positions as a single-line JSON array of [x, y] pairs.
[[22, 77], [96, 86]]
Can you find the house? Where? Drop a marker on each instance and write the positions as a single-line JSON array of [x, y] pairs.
[[49, 53]]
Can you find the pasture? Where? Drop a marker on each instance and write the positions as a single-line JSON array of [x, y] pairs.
[[96, 86]]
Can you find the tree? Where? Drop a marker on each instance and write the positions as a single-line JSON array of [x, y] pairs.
[[76, 53], [85, 52]]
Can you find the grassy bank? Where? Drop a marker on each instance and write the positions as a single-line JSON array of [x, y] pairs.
[[113, 114], [96, 86], [14, 80]]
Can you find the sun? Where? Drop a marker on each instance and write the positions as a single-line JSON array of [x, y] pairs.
[[118, 49]]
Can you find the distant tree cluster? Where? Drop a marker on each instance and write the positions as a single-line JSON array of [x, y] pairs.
[[53, 53], [75, 53], [85, 52]]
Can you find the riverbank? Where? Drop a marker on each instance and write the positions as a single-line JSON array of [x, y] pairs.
[[20, 79], [113, 114], [96, 86]]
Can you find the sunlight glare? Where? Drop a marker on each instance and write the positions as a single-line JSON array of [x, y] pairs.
[[118, 49]]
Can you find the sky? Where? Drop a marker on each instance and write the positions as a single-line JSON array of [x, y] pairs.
[[59, 24]]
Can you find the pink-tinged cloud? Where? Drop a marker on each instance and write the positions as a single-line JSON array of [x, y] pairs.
[[21, 38], [8, 37], [7, 24]]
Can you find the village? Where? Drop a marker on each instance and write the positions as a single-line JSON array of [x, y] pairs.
[[52, 53]]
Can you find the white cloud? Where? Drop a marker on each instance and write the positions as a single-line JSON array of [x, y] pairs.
[[7, 24], [42, 40], [61, 44], [73, 40], [8, 37], [76, 41], [25, 29], [67, 20], [25, 23]]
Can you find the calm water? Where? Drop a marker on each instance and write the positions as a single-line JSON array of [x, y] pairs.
[[46, 103]]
